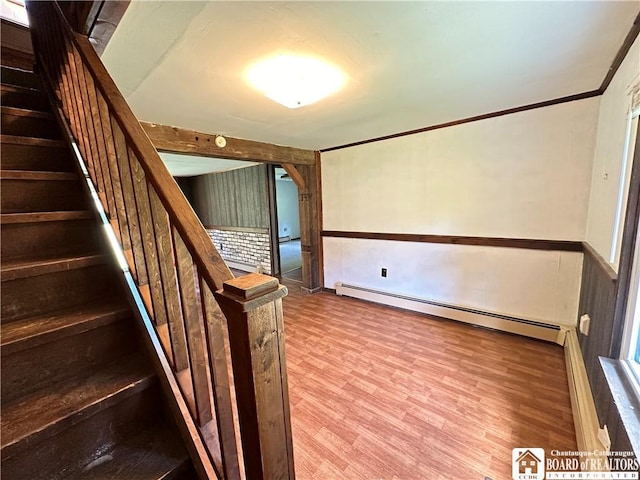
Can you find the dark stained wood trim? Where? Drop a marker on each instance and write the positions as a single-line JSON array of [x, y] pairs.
[[617, 61], [272, 201], [319, 220], [622, 53], [606, 268], [485, 116], [181, 140], [526, 243], [627, 252]]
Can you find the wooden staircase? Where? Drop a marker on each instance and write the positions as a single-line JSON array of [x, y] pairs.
[[80, 398]]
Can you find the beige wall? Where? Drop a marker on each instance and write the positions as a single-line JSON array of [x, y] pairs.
[[525, 175], [609, 154]]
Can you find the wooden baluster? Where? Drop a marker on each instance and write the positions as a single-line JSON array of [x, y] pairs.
[[52, 63], [215, 329], [214, 269], [119, 221], [191, 312], [42, 45], [177, 350], [91, 139], [81, 133], [149, 241], [63, 60], [135, 256], [58, 60], [100, 148], [252, 305]]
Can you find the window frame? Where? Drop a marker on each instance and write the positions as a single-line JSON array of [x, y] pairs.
[[626, 241]]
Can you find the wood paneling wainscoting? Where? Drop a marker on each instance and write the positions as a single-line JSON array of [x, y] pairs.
[[598, 300]]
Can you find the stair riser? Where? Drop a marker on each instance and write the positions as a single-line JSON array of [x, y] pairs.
[[20, 78], [25, 196], [33, 158], [49, 239], [76, 446], [26, 371], [29, 126], [29, 101], [42, 294], [16, 58]]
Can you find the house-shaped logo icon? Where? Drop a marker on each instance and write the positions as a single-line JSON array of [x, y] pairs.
[[528, 463]]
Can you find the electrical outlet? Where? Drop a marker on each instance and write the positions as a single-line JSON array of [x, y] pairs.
[[383, 272], [585, 323]]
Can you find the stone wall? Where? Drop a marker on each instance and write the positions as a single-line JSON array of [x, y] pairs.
[[249, 249]]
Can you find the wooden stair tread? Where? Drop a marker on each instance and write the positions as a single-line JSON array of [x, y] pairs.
[[8, 218], [36, 175], [31, 268], [24, 97], [24, 112], [33, 141], [44, 413], [8, 87], [33, 331], [155, 453]]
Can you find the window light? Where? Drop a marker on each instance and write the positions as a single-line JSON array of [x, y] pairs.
[[295, 81]]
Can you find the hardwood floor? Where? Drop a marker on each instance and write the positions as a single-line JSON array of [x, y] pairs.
[[382, 393]]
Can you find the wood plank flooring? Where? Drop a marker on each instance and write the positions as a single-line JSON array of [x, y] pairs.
[[382, 393]]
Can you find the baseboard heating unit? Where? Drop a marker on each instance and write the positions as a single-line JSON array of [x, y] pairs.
[[496, 321]]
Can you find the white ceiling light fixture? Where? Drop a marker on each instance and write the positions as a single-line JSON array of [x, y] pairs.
[[295, 81]]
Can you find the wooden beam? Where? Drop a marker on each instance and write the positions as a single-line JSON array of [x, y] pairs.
[[105, 24], [295, 175], [181, 140]]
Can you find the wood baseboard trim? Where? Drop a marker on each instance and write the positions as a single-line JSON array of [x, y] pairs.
[[494, 321], [585, 417]]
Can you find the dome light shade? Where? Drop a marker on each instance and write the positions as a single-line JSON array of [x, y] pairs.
[[295, 81]]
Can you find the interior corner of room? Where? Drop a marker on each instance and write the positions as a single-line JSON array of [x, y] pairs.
[[511, 220], [485, 189]]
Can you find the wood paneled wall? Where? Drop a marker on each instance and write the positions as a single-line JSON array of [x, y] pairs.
[[598, 300], [237, 198]]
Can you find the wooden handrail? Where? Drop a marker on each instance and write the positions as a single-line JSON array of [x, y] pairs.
[[176, 268]]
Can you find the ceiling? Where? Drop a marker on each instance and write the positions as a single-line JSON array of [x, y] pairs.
[[190, 166], [409, 64]]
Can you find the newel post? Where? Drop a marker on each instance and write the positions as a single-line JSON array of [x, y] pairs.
[[253, 307]]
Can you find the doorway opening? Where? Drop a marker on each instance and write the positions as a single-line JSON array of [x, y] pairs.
[[288, 225]]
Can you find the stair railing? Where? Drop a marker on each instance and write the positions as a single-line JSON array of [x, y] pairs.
[[188, 291]]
